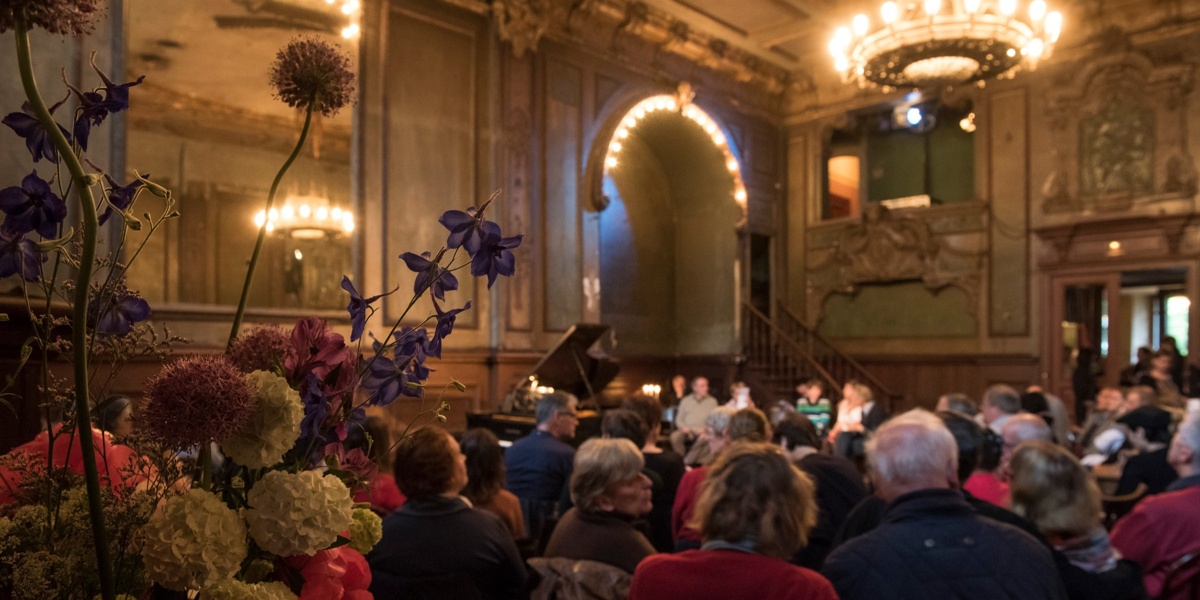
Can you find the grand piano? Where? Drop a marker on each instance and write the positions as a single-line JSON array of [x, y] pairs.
[[576, 364]]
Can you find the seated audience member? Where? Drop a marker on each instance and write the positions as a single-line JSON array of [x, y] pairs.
[[1051, 488], [739, 395], [689, 417], [814, 393], [1056, 414], [1161, 378], [436, 545], [1162, 529], [609, 491], [970, 438], [485, 480], [1110, 404], [724, 426], [932, 543], [839, 485], [1000, 403], [1025, 427], [1130, 375], [665, 467], [1152, 432], [374, 439], [538, 465], [754, 514], [678, 390], [984, 482], [957, 402], [857, 415]]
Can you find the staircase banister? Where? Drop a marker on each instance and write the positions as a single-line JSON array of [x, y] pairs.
[[783, 337], [862, 371]]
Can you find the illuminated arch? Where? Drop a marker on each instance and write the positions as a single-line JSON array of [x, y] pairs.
[[663, 103]]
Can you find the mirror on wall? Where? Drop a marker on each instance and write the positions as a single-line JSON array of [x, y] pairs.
[[205, 123]]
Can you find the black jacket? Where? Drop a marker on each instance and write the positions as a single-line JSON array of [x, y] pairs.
[[932, 544], [839, 489], [441, 548]]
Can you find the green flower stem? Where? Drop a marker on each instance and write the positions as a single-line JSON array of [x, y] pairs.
[[262, 231], [79, 339]]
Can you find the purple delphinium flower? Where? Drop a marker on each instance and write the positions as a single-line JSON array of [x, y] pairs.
[[19, 256], [445, 324], [468, 229], [358, 308], [429, 275], [94, 108], [32, 207], [387, 380], [310, 71], [120, 196], [118, 312], [26, 125], [60, 17], [384, 382], [496, 257], [316, 408]]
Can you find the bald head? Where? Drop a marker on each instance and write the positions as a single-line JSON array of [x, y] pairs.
[[912, 452]]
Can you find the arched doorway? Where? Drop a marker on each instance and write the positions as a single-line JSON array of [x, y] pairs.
[[672, 200]]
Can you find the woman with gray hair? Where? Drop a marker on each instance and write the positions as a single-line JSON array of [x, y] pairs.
[[610, 492]]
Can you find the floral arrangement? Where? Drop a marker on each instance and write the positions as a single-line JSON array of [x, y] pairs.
[[276, 517]]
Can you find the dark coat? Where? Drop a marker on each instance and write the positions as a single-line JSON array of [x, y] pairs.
[[932, 544], [1122, 583], [839, 489]]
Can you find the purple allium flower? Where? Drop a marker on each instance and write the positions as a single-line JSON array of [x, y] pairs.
[[429, 275], [468, 229], [496, 257], [445, 324], [117, 312], [260, 349], [197, 400], [94, 108], [60, 17], [19, 256], [358, 308], [311, 71], [317, 350], [32, 207], [120, 196], [26, 125]]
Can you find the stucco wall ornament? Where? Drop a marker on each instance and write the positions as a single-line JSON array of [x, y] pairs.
[[885, 248], [1119, 137], [522, 23]]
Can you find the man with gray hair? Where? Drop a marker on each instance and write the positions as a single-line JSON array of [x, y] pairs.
[[1024, 427], [932, 544], [1163, 528], [539, 464], [1000, 402]]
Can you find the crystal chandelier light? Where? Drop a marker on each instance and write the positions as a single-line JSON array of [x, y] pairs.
[[307, 217], [944, 42]]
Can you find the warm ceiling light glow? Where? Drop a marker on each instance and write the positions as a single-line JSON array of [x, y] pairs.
[[1008, 7], [1037, 10], [932, 7], [610, 162], [861, 24], [889, 12], [1114, 245], [972, 6], [1054, 22]]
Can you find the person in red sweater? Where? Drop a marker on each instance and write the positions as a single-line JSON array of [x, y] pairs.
[[1163, 528], [720, 430], [754, 513]]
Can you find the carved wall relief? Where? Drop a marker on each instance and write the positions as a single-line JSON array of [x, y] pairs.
[[1119, 136], [886, 248], [522, 23]]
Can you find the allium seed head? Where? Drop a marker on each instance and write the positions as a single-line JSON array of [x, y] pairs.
[[60, 17], [260, 349], [312, 71], [196, 400]]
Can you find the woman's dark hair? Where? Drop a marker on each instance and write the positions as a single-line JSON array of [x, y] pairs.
[[485, 465], [425, 463], [625, 424], [992, 450], [969, 437], [798, 431], [647, 407], [106, 418]]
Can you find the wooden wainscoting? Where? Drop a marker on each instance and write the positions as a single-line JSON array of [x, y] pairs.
[[921, 379]]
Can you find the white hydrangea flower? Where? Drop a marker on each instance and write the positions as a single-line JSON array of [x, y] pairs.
[[366, 530], [232, 589], [298, 513], [273, 428], [193, 540]]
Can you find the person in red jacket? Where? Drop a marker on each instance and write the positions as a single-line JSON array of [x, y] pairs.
[[754, 513]]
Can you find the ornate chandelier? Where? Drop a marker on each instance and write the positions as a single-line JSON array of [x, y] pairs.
[[944, 42], [307, 217]]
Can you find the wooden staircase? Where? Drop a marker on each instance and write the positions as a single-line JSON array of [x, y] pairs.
[[783, 352]]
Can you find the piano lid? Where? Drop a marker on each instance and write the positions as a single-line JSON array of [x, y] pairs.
[[574, 366]]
